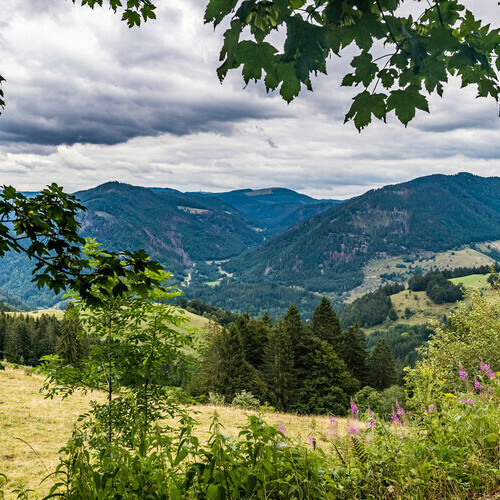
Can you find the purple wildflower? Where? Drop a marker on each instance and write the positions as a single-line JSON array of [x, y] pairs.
[[353, 429], [310, 440], [432, 408], [492, 375], [477, 385], [485, 367], [333, 420], [395, 418], [400, 411], [470, 401], [354, 409], [463, 374], [281, 428]]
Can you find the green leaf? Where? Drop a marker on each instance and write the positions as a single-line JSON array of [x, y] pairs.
[[217, 10], [405, 102], [364, 106]]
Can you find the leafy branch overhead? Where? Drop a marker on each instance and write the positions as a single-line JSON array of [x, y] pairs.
[[400, 58]]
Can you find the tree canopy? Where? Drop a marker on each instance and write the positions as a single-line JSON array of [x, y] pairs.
[[401, 55]]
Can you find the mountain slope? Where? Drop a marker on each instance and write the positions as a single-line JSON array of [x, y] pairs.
[[326, 253], [172, 227], [273, 209]]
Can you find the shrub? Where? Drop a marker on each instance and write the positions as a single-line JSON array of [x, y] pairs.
[[245, 400]]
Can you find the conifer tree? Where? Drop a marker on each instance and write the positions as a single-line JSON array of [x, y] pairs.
[[354, 353], [326, 326], [13, 349], [301, 342], [278, 367], [253, 334], [69, 346], [382, 373], [328, 384]]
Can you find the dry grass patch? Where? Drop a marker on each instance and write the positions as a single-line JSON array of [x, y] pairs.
[[34, 429]]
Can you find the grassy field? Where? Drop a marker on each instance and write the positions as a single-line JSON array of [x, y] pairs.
[[466, 257], [478, 281], [33, 429], [422, 309]]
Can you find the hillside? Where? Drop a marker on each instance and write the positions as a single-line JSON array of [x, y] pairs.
[[46, 424], [273, 209], [173, 228], [328, 252]]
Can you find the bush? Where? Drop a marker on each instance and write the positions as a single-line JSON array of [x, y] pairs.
[[215, 399], [245, 400]]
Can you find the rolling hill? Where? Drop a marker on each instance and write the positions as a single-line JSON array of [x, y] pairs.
[[327, 252]]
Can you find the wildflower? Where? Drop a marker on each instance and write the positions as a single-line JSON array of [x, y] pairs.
[[492, 375], [400, 411], [477, 385], [470, 401], [353, 429], [330, 434], [311, 441], [463, 374], [354, 409], [432, 408], [449, 395], [485, 367], [281, 428], [372, 418], [333, 420], [395, 418]]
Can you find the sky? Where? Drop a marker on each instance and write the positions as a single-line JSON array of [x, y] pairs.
[[90, 101]]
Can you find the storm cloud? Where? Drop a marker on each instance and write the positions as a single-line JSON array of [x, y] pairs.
[[89, 100]]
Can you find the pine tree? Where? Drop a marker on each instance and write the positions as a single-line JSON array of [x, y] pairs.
[[328, 384], [382, 373], [13, 348], [326, 326], [278, 367], [253, 334], [354, 353], [69, 346]]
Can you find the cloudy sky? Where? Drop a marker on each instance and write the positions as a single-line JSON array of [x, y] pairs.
[[89, 101]]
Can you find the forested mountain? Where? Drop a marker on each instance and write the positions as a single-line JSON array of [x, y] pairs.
[[174, 228], [180, 230], [273, 209], [327, 252]]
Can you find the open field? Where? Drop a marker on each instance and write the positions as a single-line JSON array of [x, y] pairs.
[[33, 429], [479, 281], [466, 257]]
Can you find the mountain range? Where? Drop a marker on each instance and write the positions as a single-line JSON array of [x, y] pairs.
[[262, 249]]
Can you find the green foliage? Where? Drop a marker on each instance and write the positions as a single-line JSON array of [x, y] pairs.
[[69, 347], [326, 326], [381, 366], [471, 337], [354, 353], [369, 310], [277, 370], [437, 287], [25, 339], [245, 399], [424, 47]]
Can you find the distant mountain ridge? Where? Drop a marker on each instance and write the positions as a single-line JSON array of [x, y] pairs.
[[327, 252], [181, 230]]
